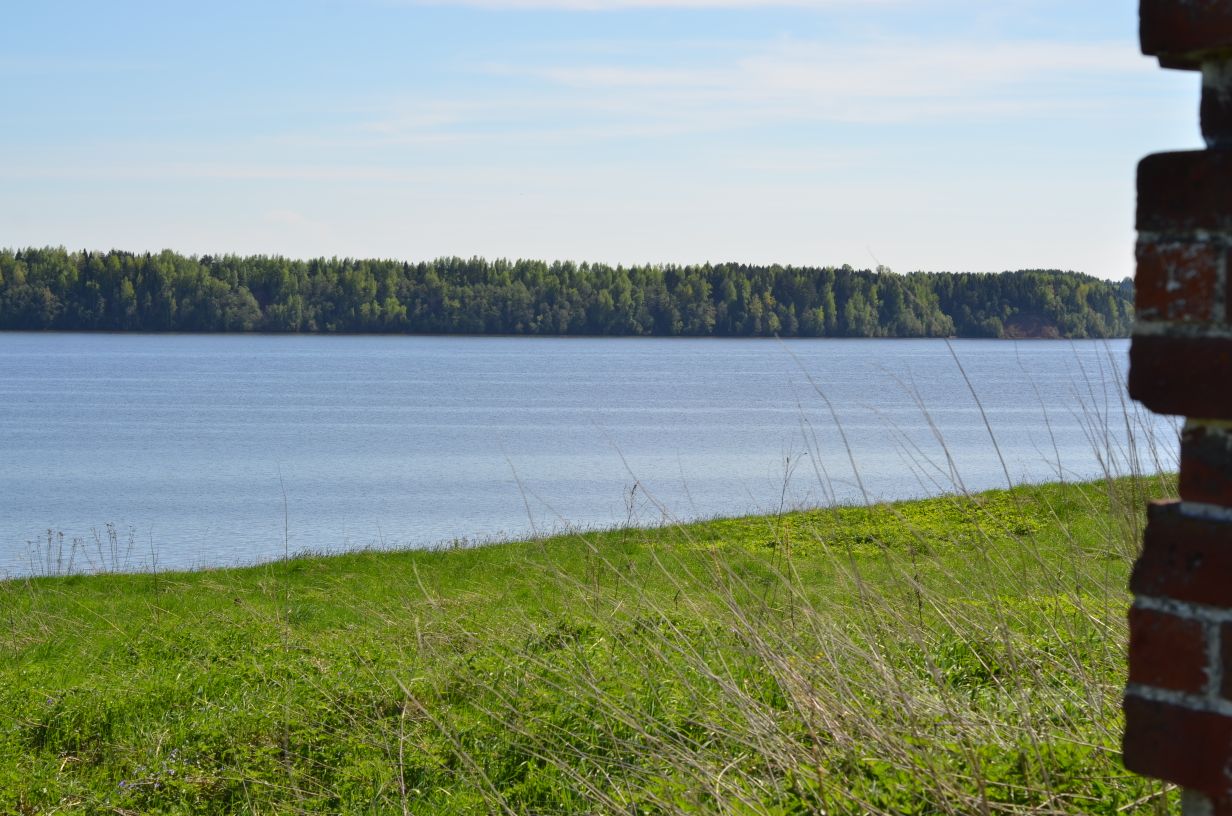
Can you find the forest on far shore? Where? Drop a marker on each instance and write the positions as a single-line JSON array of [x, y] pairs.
[[55, 289]]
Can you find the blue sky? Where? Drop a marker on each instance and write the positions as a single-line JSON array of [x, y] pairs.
[[921, 134]]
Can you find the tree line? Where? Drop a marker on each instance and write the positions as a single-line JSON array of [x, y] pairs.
[[53, 288]]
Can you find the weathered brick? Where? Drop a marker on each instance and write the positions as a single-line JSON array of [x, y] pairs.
[[1179, 281], [1206, 465], [1182, 32], [1185, 191], [1180, 745], [1216, 109], [1185, 558], [1182, 375], [1196, 802], [1167, 651]]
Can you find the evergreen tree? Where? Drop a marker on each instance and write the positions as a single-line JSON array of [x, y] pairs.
[[57, 289]]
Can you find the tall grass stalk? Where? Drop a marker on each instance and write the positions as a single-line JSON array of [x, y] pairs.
[[903, 685], [958, 655]]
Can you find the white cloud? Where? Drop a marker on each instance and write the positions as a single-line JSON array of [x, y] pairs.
[[884, 81], [206, 170], [285, 217], [783, 82], [618, 5]]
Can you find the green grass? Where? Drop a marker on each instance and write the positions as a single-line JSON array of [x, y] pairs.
[[951, 655]]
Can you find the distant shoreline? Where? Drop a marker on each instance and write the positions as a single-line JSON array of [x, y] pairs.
[[508, 336], [53, 289]]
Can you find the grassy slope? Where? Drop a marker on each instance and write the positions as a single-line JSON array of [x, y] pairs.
[[942, 656]]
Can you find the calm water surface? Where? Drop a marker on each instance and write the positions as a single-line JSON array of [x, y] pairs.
[[188, 444]]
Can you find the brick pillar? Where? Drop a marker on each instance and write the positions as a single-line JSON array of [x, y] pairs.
[[1178, 704]]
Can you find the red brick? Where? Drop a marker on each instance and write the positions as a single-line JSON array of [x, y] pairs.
[[1182, 375], [1180, 745], [1167, 651], [1180, 32], [1185, 558], [1206, 466], [1185, 191], [1179, 281]]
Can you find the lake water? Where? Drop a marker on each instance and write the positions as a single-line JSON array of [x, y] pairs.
[[187, 444]]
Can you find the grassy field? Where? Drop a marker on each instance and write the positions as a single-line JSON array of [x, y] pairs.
[[952, 655]]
